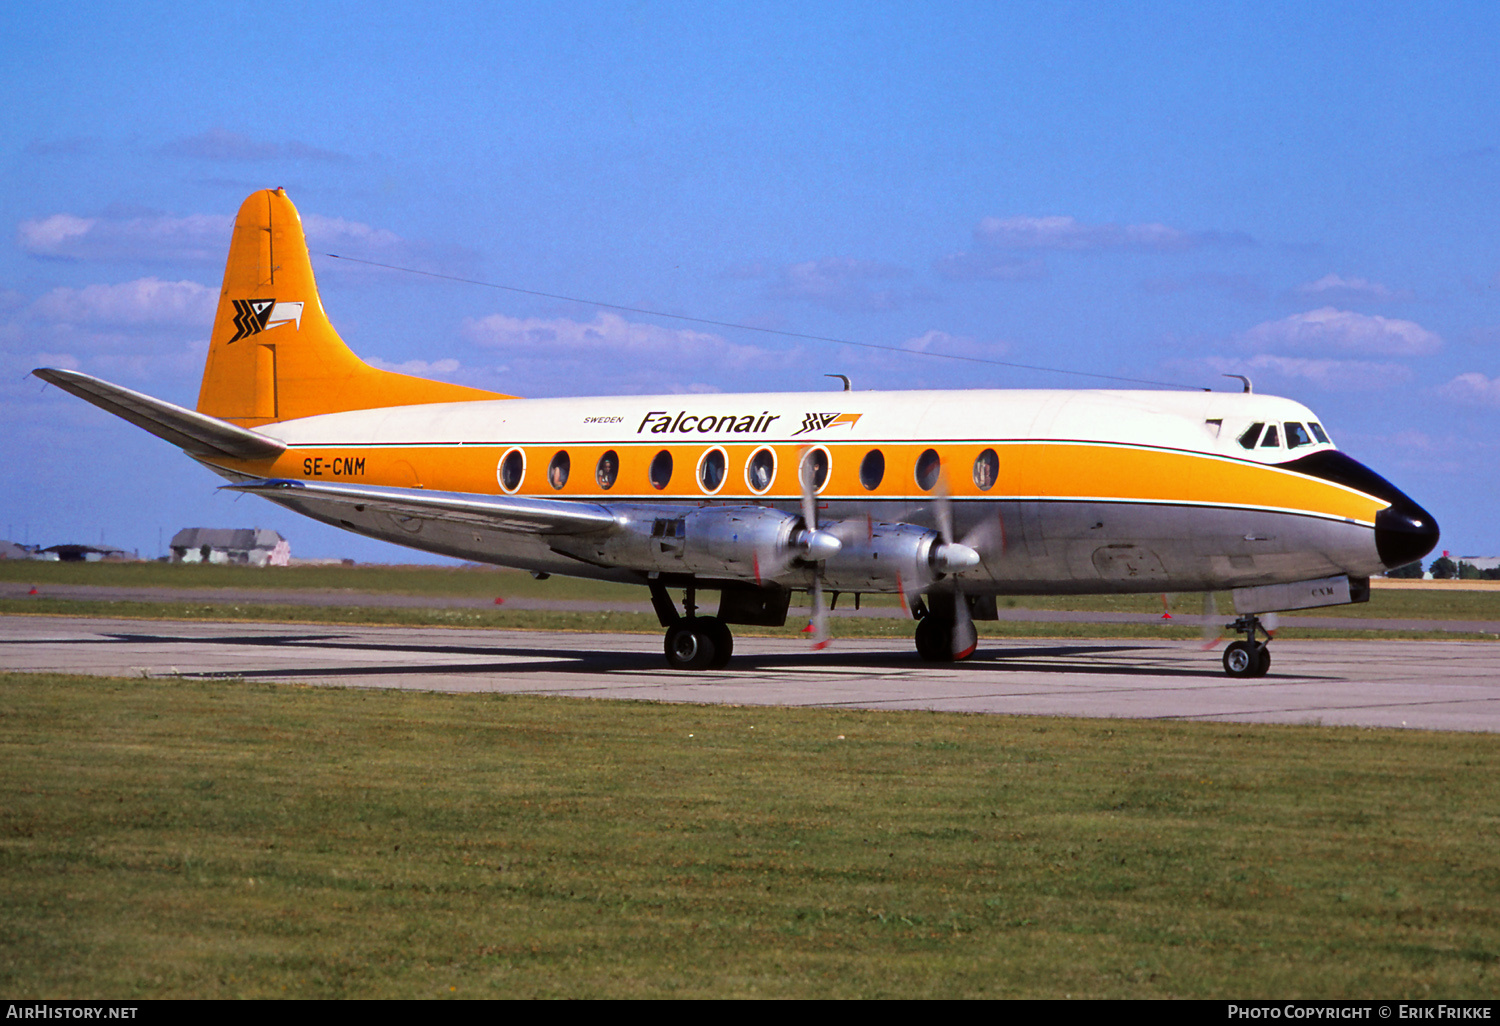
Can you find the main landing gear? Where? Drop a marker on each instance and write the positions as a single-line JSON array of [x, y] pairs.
[[1248, 658], [693, 642]]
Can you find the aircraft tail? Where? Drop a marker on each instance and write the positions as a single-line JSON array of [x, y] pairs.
[[273, 354]]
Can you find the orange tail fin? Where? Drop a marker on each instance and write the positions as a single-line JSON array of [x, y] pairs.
[[273, 354]]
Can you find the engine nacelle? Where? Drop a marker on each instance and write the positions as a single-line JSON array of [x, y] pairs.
[[876, 557], [740, 542]]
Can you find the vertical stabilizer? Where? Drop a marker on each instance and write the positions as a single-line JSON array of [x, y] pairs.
[[273, 354]]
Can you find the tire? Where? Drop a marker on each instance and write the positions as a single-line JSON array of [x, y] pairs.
[[1243, 660], [723, 641], [688, 646], [935, 639]]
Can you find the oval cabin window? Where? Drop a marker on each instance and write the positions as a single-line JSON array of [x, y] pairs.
[[872, 469], [512, 470], [557, 471], [760, 471], [661, 470], [929, 465], [711, 469], [607, 470], [986, 470], [814, 468]]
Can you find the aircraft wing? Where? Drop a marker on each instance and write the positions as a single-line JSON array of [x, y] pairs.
[[497, 512], [195, 433]]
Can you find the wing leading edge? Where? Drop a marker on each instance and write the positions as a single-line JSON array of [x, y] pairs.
[[503, 513]]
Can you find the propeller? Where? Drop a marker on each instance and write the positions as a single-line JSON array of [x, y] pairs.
[[949, 557], [1213, 629], [816, 546]]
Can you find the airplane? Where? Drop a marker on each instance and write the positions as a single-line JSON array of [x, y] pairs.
[[945, 498]]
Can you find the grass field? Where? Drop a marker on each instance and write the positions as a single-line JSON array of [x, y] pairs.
[[184, 839], [1432, 604]]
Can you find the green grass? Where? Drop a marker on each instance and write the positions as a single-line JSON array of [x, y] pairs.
[[169, 839], [481, 582]]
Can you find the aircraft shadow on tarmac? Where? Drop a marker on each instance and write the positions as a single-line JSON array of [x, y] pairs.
[[524, 659]]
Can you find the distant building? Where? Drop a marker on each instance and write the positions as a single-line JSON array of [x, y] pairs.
[[246, 546], [1481, 562], [86, 554], [10, 550]]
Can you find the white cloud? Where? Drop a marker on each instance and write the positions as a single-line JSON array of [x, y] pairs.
[[1473, 389], [989, 267], [198, 238], [419, 368], [1329, 374], [194, 238], [1343, 330], [145, 301], [1337, 287], [336, 231], [845, 283], [1067, 233], [612, 355], [222, 145], [608, 335]]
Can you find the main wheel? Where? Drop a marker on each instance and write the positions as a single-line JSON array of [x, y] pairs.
[[1244, 659], [935, 639], [689, 646], [723, 641]]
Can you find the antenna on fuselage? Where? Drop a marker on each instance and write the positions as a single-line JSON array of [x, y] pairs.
[[842, 377], [1248, 387]]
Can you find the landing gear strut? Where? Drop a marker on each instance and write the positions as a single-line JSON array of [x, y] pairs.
[[1248, 658], [693, 642]]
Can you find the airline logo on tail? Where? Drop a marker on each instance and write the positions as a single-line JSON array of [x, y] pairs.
[[252, 316]]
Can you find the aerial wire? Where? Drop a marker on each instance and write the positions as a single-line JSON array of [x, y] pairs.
[[762, 330]]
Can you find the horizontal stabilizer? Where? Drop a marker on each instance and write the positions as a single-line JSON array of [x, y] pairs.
[[195, 433], [498, 512]]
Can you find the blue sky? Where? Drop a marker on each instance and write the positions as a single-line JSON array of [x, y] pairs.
[[1304, 193]]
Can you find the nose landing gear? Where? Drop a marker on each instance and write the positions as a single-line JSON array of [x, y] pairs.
[[1248, 658]]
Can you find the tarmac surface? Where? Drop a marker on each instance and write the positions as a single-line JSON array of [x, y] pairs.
[[1432, 685]]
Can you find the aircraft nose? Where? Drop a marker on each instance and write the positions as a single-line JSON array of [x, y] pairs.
[[1404, 532]]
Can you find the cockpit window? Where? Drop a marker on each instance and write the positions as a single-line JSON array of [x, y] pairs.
[[1317, 430], [1271, 439], [1251, 435], [1296, 435]]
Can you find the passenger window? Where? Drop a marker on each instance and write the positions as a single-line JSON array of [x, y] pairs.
[[1251, 435], [929, 464], [1317, 430], [760, 472], [814, 468], [1271, 439], [711, 470], [512, 470], [661, 470], [557, 472], [986, 469], [1296, 435], [872, 469], [607, 470]]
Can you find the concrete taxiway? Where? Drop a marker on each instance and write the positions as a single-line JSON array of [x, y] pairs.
[[1436, 685]]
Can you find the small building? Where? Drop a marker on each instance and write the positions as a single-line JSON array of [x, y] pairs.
[[10, 550], [86, 554], [245, 546]]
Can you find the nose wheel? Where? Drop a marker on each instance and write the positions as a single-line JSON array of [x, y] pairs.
[[1248, 658]]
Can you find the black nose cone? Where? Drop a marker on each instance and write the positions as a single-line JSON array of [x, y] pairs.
[[1404, 533]]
